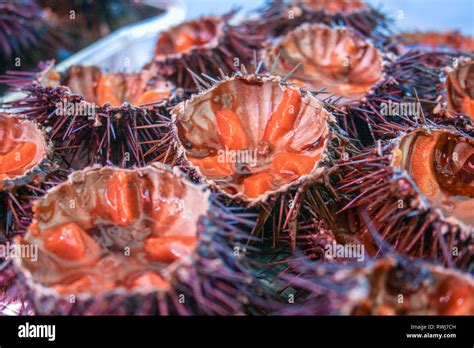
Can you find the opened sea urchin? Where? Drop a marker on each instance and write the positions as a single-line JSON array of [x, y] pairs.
[[258, 141], [144, 241], [252, 137], [416, 192], [391, 285], [26, 166], [94, 116], [208, 45], [337, 60]]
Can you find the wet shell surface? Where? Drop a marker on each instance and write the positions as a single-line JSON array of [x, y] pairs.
[[252, 136], [460, 88], [335, 59], [112, 88], [24, 151], [210, 45], [202, 33], [375, 287], [108, 229], [441, 163]]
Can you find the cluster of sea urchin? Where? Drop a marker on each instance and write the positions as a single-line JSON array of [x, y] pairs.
[[306, 144], [259, 141], [409, 182], [94, 116]]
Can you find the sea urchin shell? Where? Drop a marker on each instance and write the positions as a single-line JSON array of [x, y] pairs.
[[416, 192], [206, 45], [251, 136], [141, 241], [336, 59], [441, 163], [26, 163], [460, 88], [96, 117], [387, 286], [24, 150]]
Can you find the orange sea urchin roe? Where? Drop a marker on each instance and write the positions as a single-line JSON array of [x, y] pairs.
[[283, 118], [184, 41], [333, 6], [122, 199], [292, 164], [251, 137], [441, 163], [230, 130], [92, 284], [152, 96], [116, 88], [16, 159], [257, 184], [212, 166], [147, 280], [169, 249], [110, 90], [137, 223], [22, 146], [69, 242]]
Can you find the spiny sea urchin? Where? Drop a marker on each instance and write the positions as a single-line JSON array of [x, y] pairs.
[[391, 285], [93, 116], [338, 60], [20, 25], [157, 243], [460, 87], [27, 168], [258, 115], [280, 17], [416, 192], [208, 45], [253, 139], [409, 94]]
